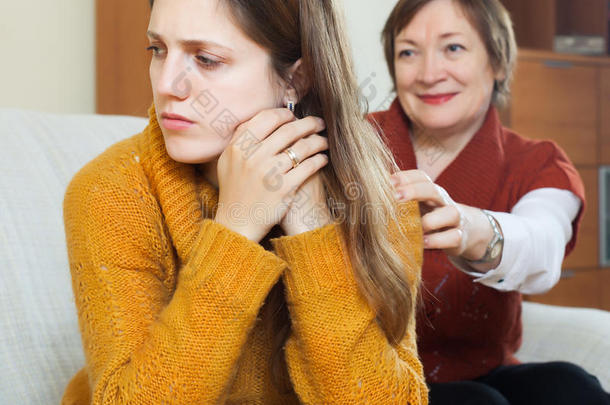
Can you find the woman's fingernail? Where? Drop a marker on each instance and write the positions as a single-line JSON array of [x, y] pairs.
[[398, 196], [426, 241]]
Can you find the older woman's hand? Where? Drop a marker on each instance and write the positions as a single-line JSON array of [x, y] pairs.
[[457, 229]]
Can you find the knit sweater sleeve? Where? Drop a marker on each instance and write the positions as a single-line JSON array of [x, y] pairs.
[[150, 337], [337, 353]]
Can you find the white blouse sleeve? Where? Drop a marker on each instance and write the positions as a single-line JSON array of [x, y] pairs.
[[535, 235]]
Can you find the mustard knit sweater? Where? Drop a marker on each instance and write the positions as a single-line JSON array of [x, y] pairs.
[[169, 301]]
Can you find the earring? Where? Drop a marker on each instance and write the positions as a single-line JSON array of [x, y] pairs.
[[290, 105]]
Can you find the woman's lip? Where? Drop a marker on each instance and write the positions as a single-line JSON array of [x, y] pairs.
[[175, 117], [176, 124], [436, 98]]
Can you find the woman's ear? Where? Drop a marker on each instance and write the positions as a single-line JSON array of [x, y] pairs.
[[500, 75], [297, 84]]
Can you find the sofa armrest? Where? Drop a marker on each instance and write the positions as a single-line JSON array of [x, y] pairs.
[[40, 344], [578, 335]]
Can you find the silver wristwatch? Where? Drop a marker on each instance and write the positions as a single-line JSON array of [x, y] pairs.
[[494, 248]]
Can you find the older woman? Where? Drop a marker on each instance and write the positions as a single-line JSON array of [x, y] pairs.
[[499, 210]]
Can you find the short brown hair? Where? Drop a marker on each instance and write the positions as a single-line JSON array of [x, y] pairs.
[[489, 18]]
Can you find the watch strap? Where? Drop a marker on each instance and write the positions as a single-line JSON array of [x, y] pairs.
[[497, 239]]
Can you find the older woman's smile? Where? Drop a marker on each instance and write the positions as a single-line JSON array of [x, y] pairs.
[[436, 99]]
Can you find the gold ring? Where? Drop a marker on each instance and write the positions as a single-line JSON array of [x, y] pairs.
[[293, 157]]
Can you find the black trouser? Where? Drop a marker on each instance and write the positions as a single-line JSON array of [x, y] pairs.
[[555, 383]]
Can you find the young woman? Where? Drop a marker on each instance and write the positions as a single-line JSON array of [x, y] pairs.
[[500, 210], [236, 251]]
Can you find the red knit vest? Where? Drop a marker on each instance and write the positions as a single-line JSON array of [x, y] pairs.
[[466, 329]]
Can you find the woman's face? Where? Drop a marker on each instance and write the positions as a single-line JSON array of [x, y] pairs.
[[204, 68], [444, 79]]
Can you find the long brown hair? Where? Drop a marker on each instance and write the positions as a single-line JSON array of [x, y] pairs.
[[491, 21], [360, 163]]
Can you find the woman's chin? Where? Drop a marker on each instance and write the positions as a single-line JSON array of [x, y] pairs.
[[191, 160], [192, 153], [437, 122]]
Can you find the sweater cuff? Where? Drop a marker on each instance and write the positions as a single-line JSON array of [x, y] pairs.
[[317, 260], [231, 263]]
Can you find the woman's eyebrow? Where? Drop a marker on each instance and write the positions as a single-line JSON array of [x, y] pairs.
[[406, 41], [191, 42], [450, 34], [444, 35]]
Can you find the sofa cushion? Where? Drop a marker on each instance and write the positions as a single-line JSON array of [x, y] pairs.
[[578, 335], [40, 347]]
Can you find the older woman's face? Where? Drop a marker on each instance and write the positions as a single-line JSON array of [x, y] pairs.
[[444, 79], [207, 70]]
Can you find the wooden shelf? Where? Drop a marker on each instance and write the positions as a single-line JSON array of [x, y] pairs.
[[579, 289], [537, 22], [530, 54], [581, 17], [534, 22], [557, 98], [566, 98], [605, 115]]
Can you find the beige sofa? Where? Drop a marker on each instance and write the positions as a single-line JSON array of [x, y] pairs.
[[40, 347]]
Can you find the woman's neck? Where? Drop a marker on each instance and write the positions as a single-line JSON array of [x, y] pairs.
[[209, 171], [436, 149]]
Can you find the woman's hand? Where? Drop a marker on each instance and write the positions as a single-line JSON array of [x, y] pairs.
[[256, 179], [309, 209], [457, 229]]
